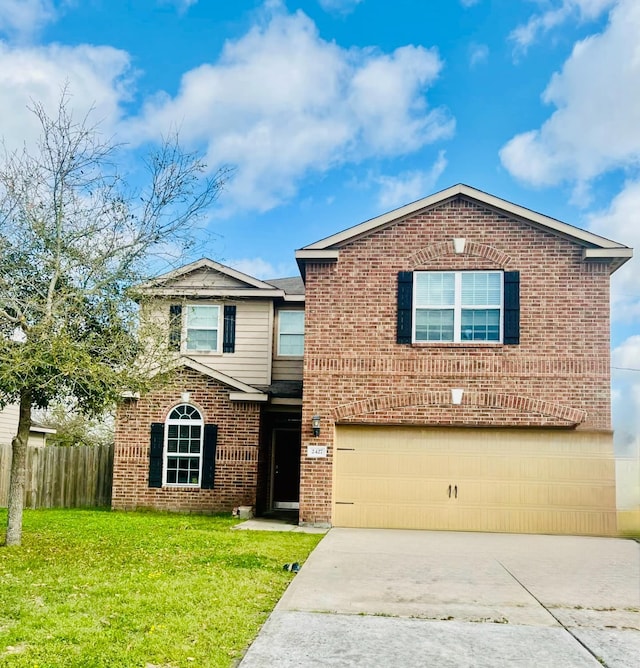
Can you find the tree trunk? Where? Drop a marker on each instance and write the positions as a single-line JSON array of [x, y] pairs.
[[18, 471]]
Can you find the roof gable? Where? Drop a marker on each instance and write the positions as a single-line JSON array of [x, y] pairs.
[[208, 278], [595, 246]]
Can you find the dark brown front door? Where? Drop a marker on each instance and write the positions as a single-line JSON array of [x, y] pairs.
[[286, 468]]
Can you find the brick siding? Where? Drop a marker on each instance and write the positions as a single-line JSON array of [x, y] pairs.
[[355, 372], [236, 454]]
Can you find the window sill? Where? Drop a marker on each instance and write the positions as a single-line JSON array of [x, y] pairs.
[[461, 344], [170, 485]]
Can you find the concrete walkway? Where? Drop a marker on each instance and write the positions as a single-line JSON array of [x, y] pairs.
[[390, 598]]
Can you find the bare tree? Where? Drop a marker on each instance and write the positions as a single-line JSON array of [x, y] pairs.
[[74, 239]]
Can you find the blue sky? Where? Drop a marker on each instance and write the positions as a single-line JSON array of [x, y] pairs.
[[334, 111]]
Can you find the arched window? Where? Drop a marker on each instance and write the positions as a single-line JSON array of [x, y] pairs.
[[183, 446]]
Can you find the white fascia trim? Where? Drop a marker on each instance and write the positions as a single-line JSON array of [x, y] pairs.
[[286, 401], [245, 396], [294, 298], [196, 292], [478, 195], [597, 253], [43, 430], [308, 254]]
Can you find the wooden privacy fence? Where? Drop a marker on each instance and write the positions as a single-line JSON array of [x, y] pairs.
[[62, 477]]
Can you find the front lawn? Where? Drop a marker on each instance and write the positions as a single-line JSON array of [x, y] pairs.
[[95, 588]]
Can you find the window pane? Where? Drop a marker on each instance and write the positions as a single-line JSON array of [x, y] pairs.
[[291, 333], [435, 288], [434, 325], [202, 339], [291, 322], [291, 344], [480, 288], [480, 325], [205, 317]]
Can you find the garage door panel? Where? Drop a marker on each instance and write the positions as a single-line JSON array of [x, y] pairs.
[[535, 481]]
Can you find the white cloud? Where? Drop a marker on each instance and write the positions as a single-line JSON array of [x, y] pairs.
[[625, 397], [584, 10], [627, 355], [398, 190], [282, 103], [96, 77], [620, 223], [597, 99], [23, 18], [478, 54], [259, 268], [339, 6], [469, 3]]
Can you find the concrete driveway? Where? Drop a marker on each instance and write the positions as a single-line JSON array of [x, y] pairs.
[[391, 598]]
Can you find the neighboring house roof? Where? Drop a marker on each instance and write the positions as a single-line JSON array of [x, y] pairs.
[[41, 429], [595, 246], [207, 278]]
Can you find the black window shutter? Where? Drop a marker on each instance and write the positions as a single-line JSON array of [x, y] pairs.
[[229, 335], [511, 325], [209, 456], [155, 455], [175, 326], [405, 306]]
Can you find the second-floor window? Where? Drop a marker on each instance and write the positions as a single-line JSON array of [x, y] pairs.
[[291, 333], [203, 328], [458, 306]]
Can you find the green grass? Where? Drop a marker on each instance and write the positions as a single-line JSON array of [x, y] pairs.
[[95, 588]]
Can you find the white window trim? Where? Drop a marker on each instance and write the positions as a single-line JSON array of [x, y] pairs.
[[173, 455], [219, 330], [289, 310], [457, 308]]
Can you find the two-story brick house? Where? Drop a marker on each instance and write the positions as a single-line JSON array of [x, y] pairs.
[[457, 351], [456, 376]]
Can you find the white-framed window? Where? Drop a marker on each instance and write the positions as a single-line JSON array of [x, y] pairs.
[[291, 333], [458, 306], [203, 328], [184, 433]]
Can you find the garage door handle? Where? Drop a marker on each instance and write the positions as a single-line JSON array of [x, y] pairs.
[[449, 491], [455, 491]]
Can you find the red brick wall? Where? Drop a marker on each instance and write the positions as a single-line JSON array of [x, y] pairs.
[[354, 371], [236, 454]]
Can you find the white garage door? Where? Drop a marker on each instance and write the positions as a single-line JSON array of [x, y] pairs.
[[528, 480]]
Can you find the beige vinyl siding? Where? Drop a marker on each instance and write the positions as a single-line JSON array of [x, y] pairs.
[[528, 481], [207, 278], [251, 361], [287, 369]]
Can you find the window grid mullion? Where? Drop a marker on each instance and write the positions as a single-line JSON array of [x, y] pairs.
[[457, 307]]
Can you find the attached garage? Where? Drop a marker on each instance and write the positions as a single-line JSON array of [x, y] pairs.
[[509, 480]]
